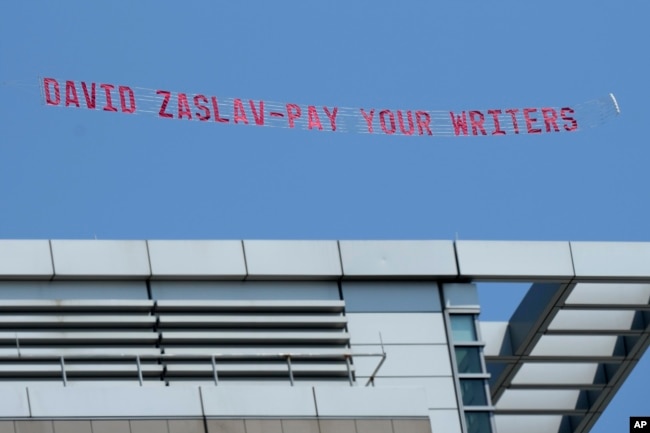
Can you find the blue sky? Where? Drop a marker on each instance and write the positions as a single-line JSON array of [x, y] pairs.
[[67, 173]]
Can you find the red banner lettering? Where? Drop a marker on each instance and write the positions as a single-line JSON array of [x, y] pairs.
[[460, 123], [293, 113], [47, 82], [91, 99], [71, 94], [163, 106], [476, 119], [530, 121], [109, 101], [203, 107], [199, 103], [124, 91], [497, 125]]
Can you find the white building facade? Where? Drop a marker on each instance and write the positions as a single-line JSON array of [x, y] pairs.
[[314, 336]]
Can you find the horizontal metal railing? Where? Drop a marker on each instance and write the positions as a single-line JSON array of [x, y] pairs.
[[211, 359], [86, 351]]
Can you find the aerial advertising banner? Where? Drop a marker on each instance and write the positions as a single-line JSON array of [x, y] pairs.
[[206, 107]]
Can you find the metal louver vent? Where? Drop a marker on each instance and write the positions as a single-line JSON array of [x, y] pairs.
[[173, 341]]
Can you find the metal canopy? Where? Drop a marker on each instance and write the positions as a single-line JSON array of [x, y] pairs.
[[565, 352]]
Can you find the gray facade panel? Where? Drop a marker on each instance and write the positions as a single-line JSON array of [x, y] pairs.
[[496, 337], [616, 260], [571, 373], [441, 392], [245, 290], [533, 423], [104, 258], [460, 296], [116, 401], [445, 420], [408, 360], [209, 259], [292, 259], [261, 401], [371, 402], [576, 346], [406, 259], [391, 297], [73, 290], [25, 259], [609, 294], [593, 320], [13, 401], [397, 328], [512, 260], [539, 399]]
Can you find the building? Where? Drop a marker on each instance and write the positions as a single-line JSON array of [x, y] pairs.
[[314, 336]]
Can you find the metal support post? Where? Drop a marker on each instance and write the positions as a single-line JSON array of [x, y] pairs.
[[214, 371], [290, 369], [137, 361], [63, 374]]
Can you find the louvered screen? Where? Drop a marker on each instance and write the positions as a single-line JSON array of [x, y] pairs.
[[78, 340], [173, 341], [248, 340]]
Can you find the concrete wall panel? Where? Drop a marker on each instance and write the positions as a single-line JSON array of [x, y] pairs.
[[73, 426], [34, 426]]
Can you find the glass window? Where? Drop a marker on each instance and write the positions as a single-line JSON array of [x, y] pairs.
[[462, 327], [473, 391], [478, 422], [468, 359]]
